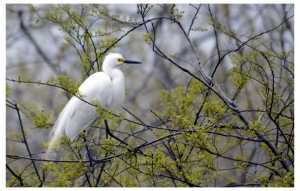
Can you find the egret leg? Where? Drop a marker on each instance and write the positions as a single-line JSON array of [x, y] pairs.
[[112, 135], [88, 151]]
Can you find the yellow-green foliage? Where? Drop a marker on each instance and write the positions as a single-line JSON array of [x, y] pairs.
[[8, 90], [66, 83], [217, 24], [65, 173], [286, 181], [39, 118], [180, 104], [238, 74], [147, 38], [175, 12], [29, 177]]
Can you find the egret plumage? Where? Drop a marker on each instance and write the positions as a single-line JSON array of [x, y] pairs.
[[106, 87]]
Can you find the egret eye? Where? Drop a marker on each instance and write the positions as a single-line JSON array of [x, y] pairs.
[[120, 60]]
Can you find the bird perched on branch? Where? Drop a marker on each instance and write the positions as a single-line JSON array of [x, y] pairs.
[[106, 87]]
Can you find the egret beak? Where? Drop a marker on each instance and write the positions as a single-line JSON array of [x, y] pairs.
[[131, 62]]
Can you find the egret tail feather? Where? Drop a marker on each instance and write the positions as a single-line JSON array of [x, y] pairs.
[[58, 129]]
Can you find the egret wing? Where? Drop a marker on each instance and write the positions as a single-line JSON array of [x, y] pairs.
[[98, 87]]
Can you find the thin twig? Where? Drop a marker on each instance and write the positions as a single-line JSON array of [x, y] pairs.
[[25, 140]]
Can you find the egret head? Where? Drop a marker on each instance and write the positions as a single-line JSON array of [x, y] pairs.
[[113, 60]]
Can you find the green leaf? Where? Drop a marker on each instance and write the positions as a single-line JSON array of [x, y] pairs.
[[8, 90], [19, 78]]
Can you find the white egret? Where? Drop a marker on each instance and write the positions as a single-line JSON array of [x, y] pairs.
[[107, 87]]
